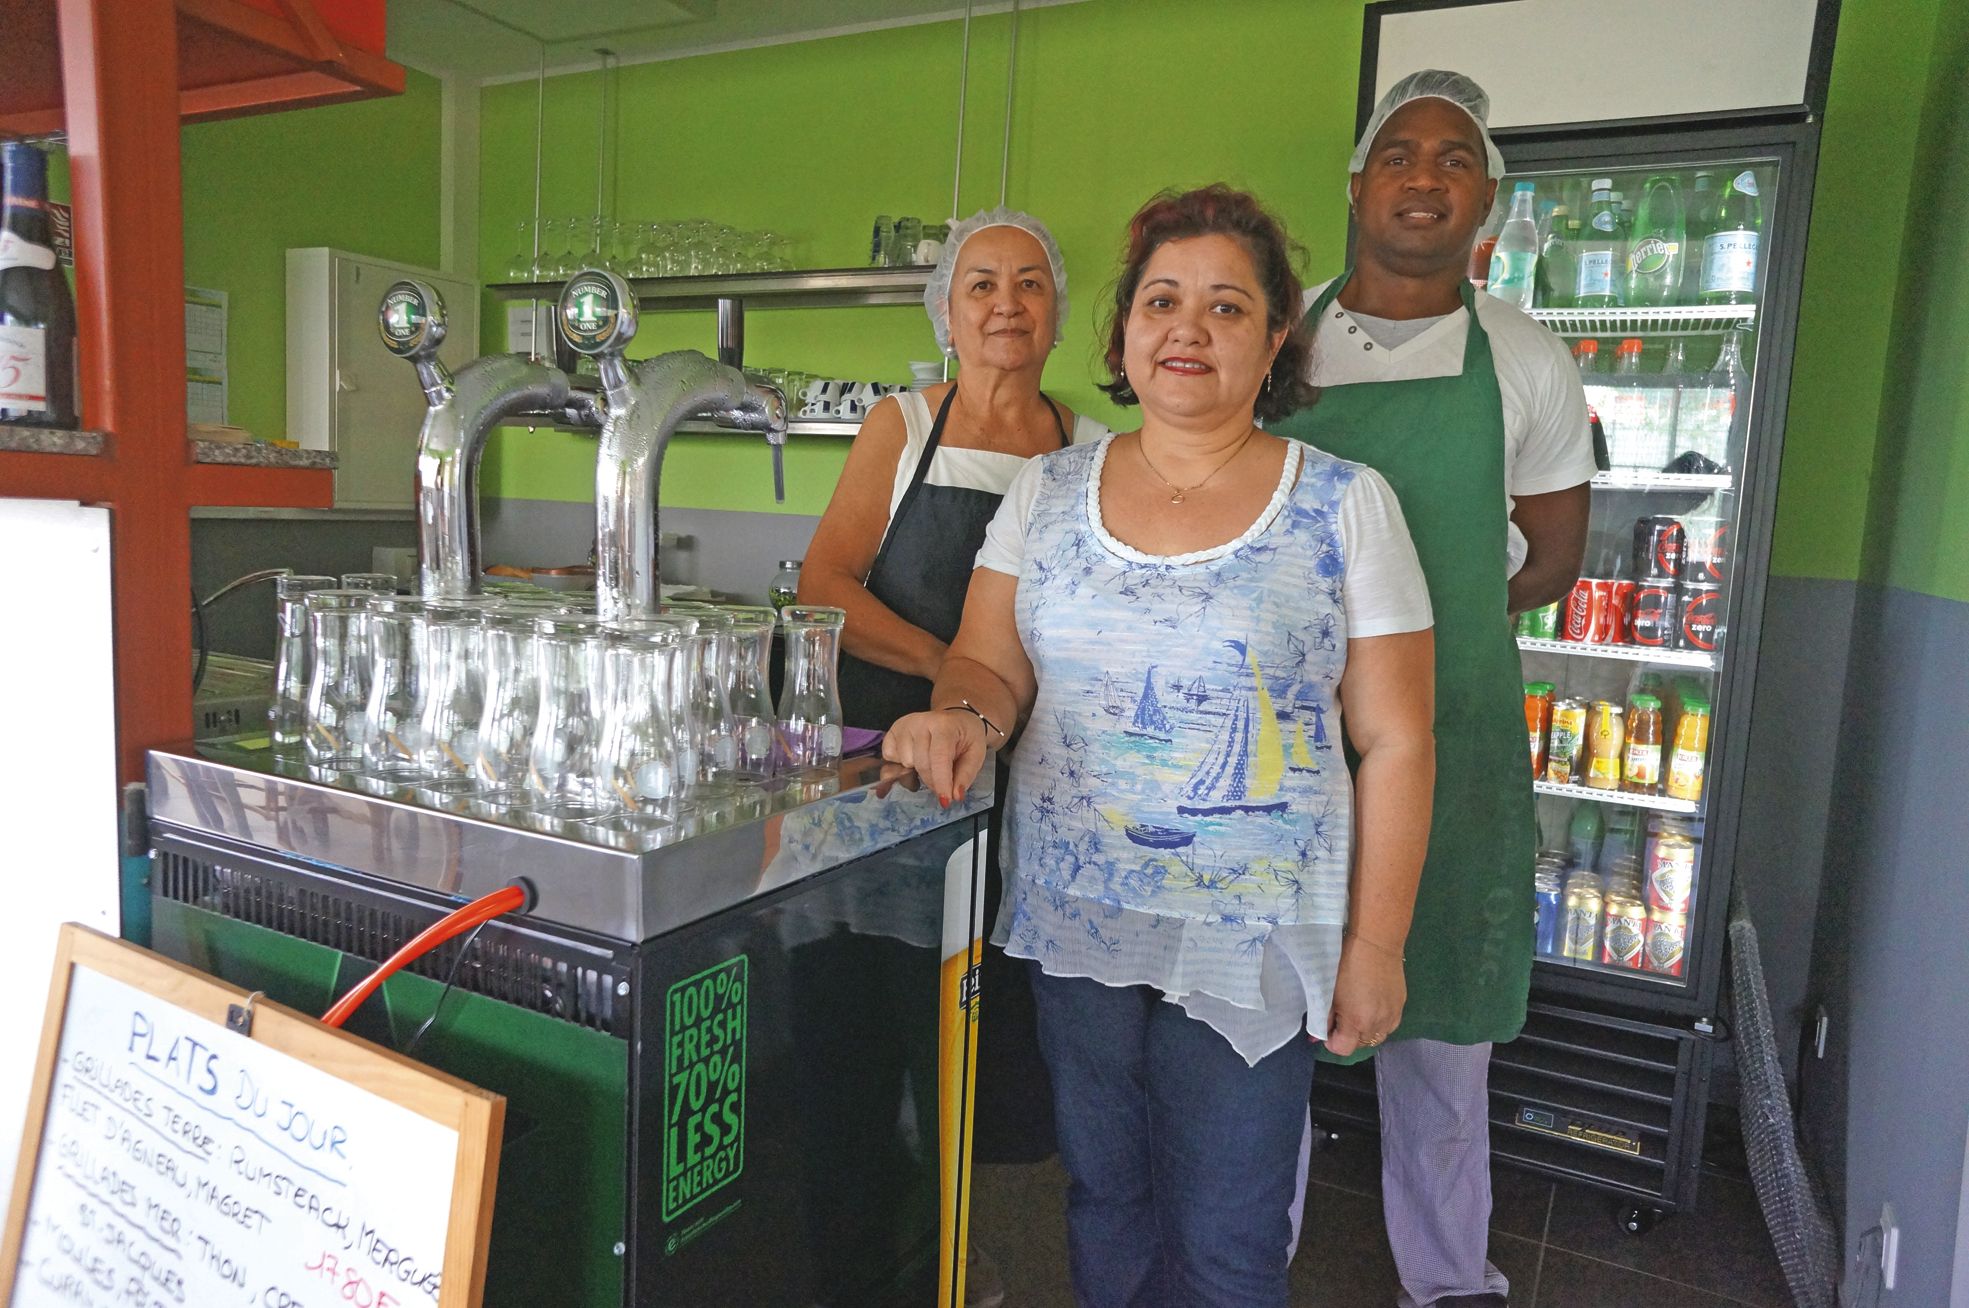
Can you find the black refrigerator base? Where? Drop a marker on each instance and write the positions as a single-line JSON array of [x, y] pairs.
[[1603, 1101]]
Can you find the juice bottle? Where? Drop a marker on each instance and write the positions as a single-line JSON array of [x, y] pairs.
[[1685, 765], [1606, 739], [1641, 765]]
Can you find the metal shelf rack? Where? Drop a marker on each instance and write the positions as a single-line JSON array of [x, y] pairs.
[[1620, 798], [1665, 320], [1677, 658]]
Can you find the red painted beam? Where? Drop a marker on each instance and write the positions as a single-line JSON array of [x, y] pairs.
[[120, 84], [209, 485], [56, 477]]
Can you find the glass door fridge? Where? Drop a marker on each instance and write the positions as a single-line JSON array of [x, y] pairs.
[[1669, 267]]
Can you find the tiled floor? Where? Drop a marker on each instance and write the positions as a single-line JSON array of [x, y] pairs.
[[1558, 1243]]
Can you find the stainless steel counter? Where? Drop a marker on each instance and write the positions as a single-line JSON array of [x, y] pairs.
[[627, 885]]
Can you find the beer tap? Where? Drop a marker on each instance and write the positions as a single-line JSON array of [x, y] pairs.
[[462, 411], [644, 403]]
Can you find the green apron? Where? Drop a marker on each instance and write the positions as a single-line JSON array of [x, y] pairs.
[[1440, 444]]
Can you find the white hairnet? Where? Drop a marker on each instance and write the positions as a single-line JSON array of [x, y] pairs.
[[1433, 84], [936, 295]]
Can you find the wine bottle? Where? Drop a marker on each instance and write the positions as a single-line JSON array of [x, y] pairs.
[[37, 312]]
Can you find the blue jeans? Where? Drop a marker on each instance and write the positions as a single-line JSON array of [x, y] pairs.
[[1181, 1156]]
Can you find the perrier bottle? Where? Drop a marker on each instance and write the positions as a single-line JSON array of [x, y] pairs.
[[1654, 256]]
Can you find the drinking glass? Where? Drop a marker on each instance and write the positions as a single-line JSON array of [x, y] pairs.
[[288, 713], [338, 677], [810, 698], [521, 267], [564, 767], [381, 583], [639, 743], [451, 693], [389, 741], [713, 732], [512, 702], [749, 676]]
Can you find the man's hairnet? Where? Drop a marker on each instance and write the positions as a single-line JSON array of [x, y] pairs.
[[936, 295], [1433, 84]]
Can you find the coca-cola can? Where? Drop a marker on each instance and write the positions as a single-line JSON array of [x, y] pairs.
[[1576, 620], [1622, 600], [1655, 613], [1702, 615], [1659, 546], [1705, 554], [1601, 616]]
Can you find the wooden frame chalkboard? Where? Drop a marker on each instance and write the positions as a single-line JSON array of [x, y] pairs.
[[190, 1158]]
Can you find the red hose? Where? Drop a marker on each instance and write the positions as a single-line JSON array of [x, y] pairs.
[[506, 899]]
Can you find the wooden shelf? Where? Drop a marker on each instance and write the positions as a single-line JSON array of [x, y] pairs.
[[234, 58]]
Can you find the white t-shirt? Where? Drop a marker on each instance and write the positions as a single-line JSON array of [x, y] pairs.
[[1548, 445], [1383, 588], [985, 470]]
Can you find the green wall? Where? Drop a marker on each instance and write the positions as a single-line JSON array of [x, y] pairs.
[[1114, 101], [360, 177], [1918, 524], [1844, 367]]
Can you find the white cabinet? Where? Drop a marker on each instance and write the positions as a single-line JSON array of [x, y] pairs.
[[345, 392]]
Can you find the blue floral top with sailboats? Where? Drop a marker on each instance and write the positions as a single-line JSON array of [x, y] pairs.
[[1179, 812]]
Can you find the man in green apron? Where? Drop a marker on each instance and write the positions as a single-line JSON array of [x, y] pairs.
[[1475, 415]]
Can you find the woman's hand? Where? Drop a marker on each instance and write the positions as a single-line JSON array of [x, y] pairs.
[[1368, 997], [946, 748]]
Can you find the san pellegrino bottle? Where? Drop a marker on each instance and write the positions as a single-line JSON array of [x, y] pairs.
[[1596, 285], [37, 312], [1729, 258], [1514, 259], [1557, 272], [1699, 220], [1654, 258]]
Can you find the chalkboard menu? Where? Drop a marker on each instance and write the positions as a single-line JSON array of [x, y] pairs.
[[187, 1147]]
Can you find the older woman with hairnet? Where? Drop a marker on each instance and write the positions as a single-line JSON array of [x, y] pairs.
[[896, 548], [898, 541]]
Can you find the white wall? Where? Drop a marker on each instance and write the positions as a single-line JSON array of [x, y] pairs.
[[58, 852]]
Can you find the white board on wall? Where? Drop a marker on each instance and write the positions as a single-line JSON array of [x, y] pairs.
[[1547, 62]]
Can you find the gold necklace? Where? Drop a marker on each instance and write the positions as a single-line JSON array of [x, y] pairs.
[[1176, 493]]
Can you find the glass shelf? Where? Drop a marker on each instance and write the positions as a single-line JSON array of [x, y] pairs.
[[1676, 658], [1666, 320], [813, 288], [1619, 798], [1639, 479]]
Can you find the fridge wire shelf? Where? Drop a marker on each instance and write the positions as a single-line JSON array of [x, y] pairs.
[[1619, 798], [1665, 320], [1639, 479], [1675, 658]]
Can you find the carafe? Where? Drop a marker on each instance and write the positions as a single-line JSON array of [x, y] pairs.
[[338, 678], [810, 698], [564, 767], [389, 741], [288, 713], [645, 777], [751, 696], [451, 693], [713, 729], [511, 704]]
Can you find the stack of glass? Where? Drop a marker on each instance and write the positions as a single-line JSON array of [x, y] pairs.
[[527, 707]]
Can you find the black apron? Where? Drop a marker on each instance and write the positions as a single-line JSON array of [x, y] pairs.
[[922, 573]]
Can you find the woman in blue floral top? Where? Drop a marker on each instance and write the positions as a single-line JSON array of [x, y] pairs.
[[1180, 623]]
